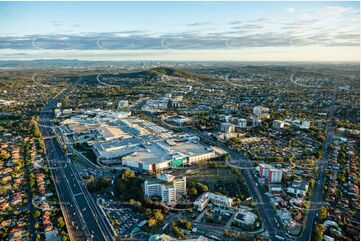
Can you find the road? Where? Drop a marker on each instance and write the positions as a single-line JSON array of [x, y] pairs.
[[316, 197], [31, 209], [271, 221], [84, 219]]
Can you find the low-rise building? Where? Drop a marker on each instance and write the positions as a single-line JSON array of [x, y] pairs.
[[242, 123], [278, 124], [245, 217], [123, 104], [298, 188], [228, 127], [201, 202]]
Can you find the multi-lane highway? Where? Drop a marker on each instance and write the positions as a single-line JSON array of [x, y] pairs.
[[83, 217]]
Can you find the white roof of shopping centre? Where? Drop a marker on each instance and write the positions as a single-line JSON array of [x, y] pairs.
[[116, 148], [136, 140], [150, 154], [112, 132]]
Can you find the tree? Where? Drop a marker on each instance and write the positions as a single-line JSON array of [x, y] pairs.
[[318, 232], [128, 173], [129, 186], [148, 213], [152, 222], [323, 212], [157, 214], [279, 159], [192, 191], [311, 182], [37, 214], [179, 233], [227, 233], [60, 222], [321, 138], [201, 187], [5, 156]]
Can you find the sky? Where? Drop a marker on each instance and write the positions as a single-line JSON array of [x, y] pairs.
[[181, 31]]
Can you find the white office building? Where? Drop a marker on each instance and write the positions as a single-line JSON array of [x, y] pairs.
[[165, 186], [228, 127], [242, 123], [215, 199], [123, 104], [259, 111], [298, 188]]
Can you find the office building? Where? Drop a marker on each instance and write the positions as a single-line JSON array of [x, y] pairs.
[[228, 127], [242, 123], [166, 187], [208, 197], [123, 104]]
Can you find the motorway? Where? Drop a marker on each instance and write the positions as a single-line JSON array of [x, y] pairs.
[[83, 217]]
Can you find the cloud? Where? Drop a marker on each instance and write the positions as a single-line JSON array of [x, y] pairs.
[[56, 23], [334, 11], [284, 11], [183, 41], [236, 22], [248, 26], [196, 24], [313, 27]]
